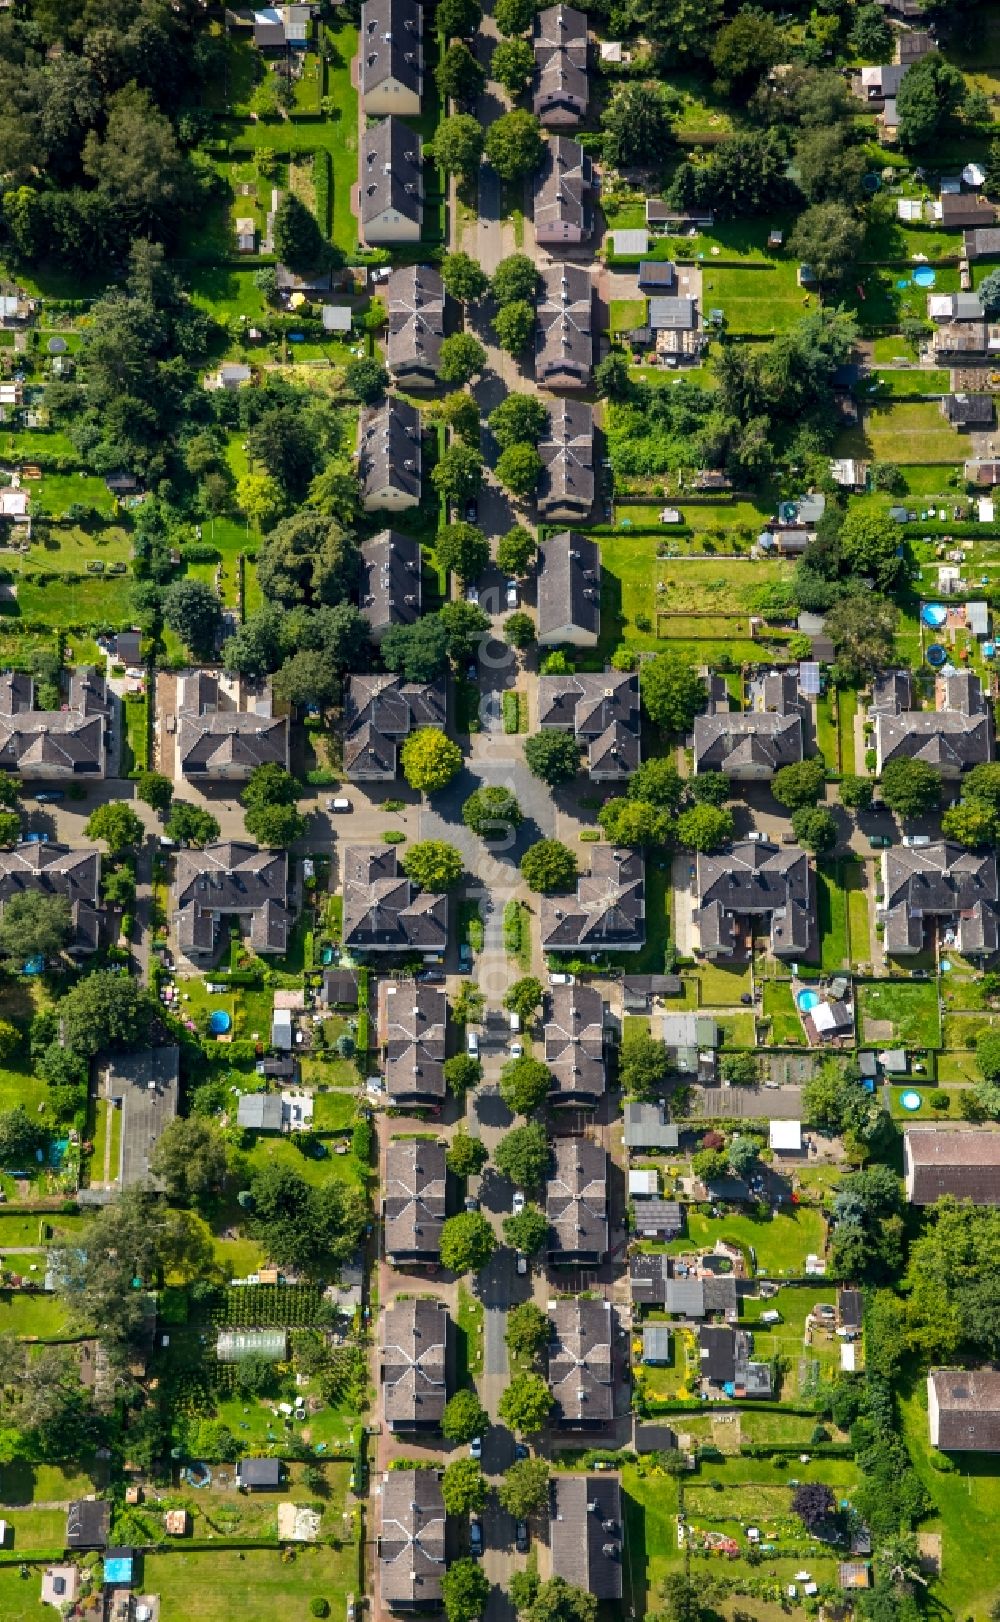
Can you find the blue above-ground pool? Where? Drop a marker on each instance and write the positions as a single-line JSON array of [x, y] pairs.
[[936, 655], [934, 614], [219, 1022], [924, 276], [910, 1100], [806, 1000]]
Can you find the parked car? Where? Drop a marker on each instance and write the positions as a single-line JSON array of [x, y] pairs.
[[471, 511], [50, 796], [522, 1263], [521, 1537], [915, 841], [465, 958], [516, 1050], [352, 1609], [471, 1203], [431, 977], [472, 1043], [339, 804], [512, 598], [472, 671], [472, 594], [476, 1448], [476, 1536], [517, 1204], [520, 1451], [562, 979], [879, 841]]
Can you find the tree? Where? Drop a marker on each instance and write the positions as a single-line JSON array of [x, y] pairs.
[[519, 419], [745, 50], [710, 1164], [458, 16], [684, 29], [862, 629], [464, 550], [973, 823], [827, 237], [461, 357], [513, 64], [430, 760], [871, 35], [10, 1040], [830, 167], [708, 788], [524, 1486], [459, 76], [658, 783], [463, 1487], [459, 473], [857, 793], [524, 998], [305, 1227], [366, 379], [514, 144], [275, 826], [910, 788], [553, 1601], [193, 611], [515, 279], [927, 99], [20, 1136], [743, 1153], [635, 822], [457, 145], [465, 1587], [527, 1330], [672, 691], [519, 467], [513, 327], [799, 784], [644, 1065], [461, 1072], [516, 551], [465, 624], [813, 1502], [460, 413], [260, 498], [467, 1242], [554, 757], [869, 542], [466, 1155], [636, 125], [10, 790], [989, 293], [154, 789], [463, 277], [34, 924], [308, 677], [739, 1069], [190, 1159], [106, 1010], [433, 865], [705, 828], [419, 651], [522, 1155], [298, 240], [547, 866], [492, 813], [983, 783], [464, 1418], [526, 1403], [269, 784], [284, 441], [514, 16], [527, 1231], [191, 825], [525, 1084], [611, 376], [682, 1598]]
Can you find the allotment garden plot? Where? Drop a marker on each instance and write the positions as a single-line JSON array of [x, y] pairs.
[[701, 598]]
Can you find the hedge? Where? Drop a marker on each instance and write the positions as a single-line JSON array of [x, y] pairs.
[[511, 711], [826, 1450]]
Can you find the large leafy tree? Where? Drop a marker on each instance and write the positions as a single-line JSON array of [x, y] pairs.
[[815, 828], [705, 827], [519, 468], [433, 865], [524, 997], [154, 789], [464, 625], [458, 75], [554, 757], [308, 559], [516, 550], [463, 1487], [458, 145], [513, 64], [524, 1487], [298, 240], [800, 783], [465, 1590], [522, 1155], [463, 277], [869, 542], [459, 473], [466, 1156], [524, 1084], [862, 628], [462, 357], [464, 550], [911, 788], [549, 865], [930, 95], [191, 825], [527, 1231], [974, 823], [514, 279], [106, 1010], [20, 1136], [519, 419], [527, 1330], [192, 610], [645, 1064], [467, 1242], [636, 125], [672, 691], [190, 1159], [635, 822], [526, 1403], [657, 782], [117, 824], [275, 826], [745, 49], [419, 651], [493, 813], [430, 760], [514, 144], [34, 924], [513, 326], [828, 237], [464, 1417], [302, 1226]]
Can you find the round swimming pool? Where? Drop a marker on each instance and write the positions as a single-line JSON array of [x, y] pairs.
[[219, 1022], [924, 276], [936, 655], [934, 614], [805, 1000], [910, 1100]]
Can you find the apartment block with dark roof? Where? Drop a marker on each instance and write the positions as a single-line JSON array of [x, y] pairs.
[[751, 745], [391, 57], [414, 1201], [415, 298], [586, 1533], [390, 184], [217, 740], [755, 881], [608, 911], [391, 580], [231, 880], [564, 334], [411, 1036], [955, 735], [943, 884], [574, 1046], [961, 1161], [581, 1363], [602, 709], [562, 209], [566, 488], [413, 1347], [383, 911], [380, 711], [561, 91], [411, 1540], [52, 745], [390, 456], [569, 590], [576, 1203], [963, 1410], [52, 869]]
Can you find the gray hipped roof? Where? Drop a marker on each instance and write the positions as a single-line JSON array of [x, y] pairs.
[[415, 1176], [564, 340], [415, 298], [561, 189], [390, 44], [567, 452], [389, 451], [569, 584], [585, 1533], [383, 910], [560, 63], [390, 172], [237, 879], [390, 580]]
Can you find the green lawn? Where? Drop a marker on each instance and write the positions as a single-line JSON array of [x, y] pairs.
[[469, 1351], [968, 1511], [779, 1008], [279, 1151], [962, 1030], [334, 1111], [911, 1006], [859, 932], [722, 986], [763, 299], [38, 1530], [31, 1317], [905, 432], [912, 383], [781, 1241], [651, 1553], [255, 1584], [626, 313], [832, 911], [847, 709], [89, 600]]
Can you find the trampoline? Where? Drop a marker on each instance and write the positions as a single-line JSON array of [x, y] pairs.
[[57, 346], [219, 1022], [807, 1000], [925, 276], [936, 655], [910, 1100], [934, 614]]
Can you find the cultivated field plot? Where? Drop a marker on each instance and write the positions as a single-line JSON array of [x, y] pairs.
[[722, 586]]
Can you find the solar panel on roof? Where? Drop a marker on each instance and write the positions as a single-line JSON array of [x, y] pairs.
[[809, 678]]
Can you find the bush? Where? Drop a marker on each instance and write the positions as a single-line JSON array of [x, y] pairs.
[[322, 186], [318, 1606]]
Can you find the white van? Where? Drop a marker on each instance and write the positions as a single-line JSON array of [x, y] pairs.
[[515, 1023], [472, 1043]]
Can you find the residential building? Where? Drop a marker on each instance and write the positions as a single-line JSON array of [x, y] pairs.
[[754, 880], [576, 1203], [390, 184], [608, 912], [144, 1087], [574, 1045], [850, 1310], [985, 474], [569, 590], [581, 1363], [88, 1523], [259, 1112], [726, 1361], [585, 1533], [279, 28], [219, 742], [415, 298], [673, 314], [563, 184], [968, 410], [647, 1127], [879, 84], [656, 1218], [641, 991], [564, 338], [751, 745], [389, 456], [653, 1284], [961, 1161], [982, 242], [381, 710], [691, 1040], [383, 911], [411, 1540], [566, 488], [391, 582], [411, 1038], [963, 1410], [963, 211], [231, 375], [956, 734], [231, 880], [944, 884], [391, 57], [53, 869], [53, 745], [260, 1475], [414, 1206], [414, 1363], [602, 710], [560, 92], [657, 276]]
